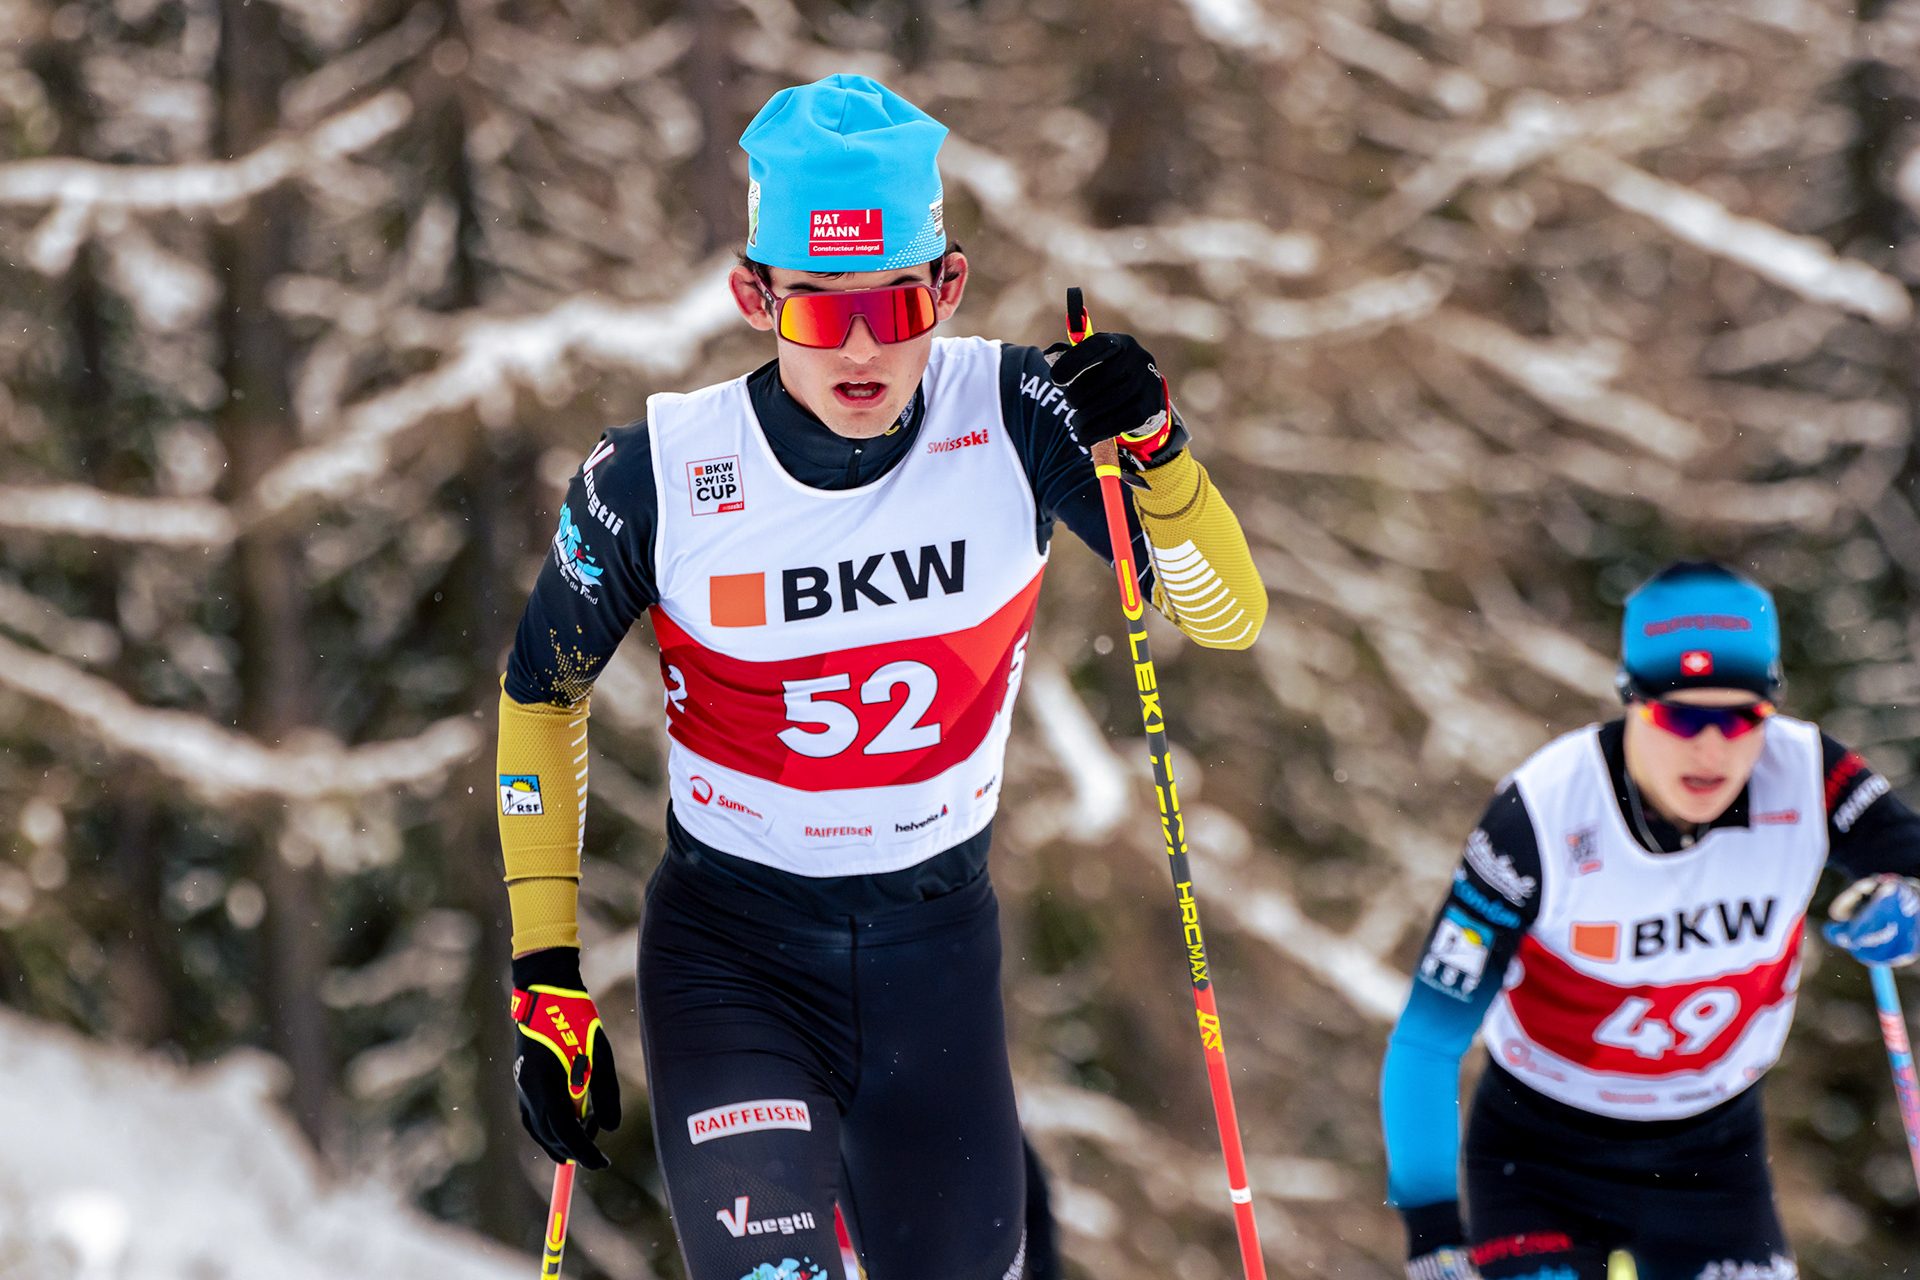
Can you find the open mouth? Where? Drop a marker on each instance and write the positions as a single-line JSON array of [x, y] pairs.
[[859, 392], [1702, 784]]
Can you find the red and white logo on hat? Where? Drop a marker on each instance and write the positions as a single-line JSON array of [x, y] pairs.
[[836, 231], [1696, 662]]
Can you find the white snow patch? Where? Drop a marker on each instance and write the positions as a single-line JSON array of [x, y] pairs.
[[94, 513], [1100, 787], [141, 1170], [218, 764]]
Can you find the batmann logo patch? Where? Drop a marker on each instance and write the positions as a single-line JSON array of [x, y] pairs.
[[748, 1117], [838, 231]]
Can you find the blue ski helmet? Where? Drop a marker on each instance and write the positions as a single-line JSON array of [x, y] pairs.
[[842, 176], [1699, 625]]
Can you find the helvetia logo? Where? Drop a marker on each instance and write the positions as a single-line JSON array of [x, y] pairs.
[[927, 821]]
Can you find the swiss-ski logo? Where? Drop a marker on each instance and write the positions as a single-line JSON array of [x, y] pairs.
[[966, 441]]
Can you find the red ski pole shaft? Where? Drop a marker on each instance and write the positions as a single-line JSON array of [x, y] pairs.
[[557, 1210], [1106, 460]]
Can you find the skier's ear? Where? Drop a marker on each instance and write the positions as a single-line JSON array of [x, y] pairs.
[[748, 297], [953, 283]]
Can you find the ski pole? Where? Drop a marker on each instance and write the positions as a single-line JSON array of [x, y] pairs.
[[1106, 459], [1893, 1029], [557, 1210]]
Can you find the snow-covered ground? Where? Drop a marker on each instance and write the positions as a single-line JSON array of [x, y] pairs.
[[121, 1166]]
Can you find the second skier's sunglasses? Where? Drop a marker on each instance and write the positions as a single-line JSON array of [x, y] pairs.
[[825, 319], [1686, 720]]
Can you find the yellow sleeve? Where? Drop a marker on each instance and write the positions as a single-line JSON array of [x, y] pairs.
[[543, 811], [1204, 579]]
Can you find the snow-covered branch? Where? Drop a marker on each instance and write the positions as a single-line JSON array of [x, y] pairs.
[[1245, 26], [1803, 264], [1536, 127], [1358, 310], [86, 512], [84, 183], [219, 765], [80, 191], [1572, 381], [81, 639], [491, 358], [1102, 791]]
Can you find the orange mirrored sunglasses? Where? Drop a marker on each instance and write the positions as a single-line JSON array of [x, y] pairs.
[[824, 319]]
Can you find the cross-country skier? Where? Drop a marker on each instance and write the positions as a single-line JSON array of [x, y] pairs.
[[841, 553], [1626, 921]]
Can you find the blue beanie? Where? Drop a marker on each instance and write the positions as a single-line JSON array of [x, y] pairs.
[[842, 177], [1699, 625]]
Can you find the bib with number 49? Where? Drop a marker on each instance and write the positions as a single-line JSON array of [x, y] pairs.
[[1654, 986], [841, 665]]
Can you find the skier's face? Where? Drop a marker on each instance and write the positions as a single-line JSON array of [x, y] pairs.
[[860, 387], [1692, 780]]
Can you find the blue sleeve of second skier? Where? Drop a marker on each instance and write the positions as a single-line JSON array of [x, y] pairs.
[[1492, 903], [1420, 1093]]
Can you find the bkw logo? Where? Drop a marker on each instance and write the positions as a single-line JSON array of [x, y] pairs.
[[808, 592]]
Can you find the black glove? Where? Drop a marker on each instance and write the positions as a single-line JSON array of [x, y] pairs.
[[1115, 389], [563, 1063]]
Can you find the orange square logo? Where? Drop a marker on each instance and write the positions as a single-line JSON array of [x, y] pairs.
[[738, 599], [1596, 941]]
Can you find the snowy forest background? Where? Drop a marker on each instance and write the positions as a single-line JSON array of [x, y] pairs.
[[1481, 310]]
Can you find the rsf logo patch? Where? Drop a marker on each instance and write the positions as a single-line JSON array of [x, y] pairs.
[[1457, 956], [713, 486], [520, 795], [1696, 662]]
